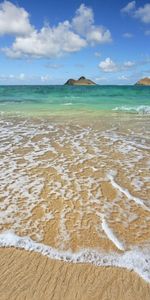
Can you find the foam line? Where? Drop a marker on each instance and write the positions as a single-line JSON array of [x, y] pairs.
[[136, 259], [126, 192], [141, 109], [111, 236]]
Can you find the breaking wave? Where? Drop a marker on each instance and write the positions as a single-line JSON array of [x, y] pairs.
[[141, 109]]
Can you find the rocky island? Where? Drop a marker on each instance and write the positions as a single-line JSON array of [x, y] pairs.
[[81, 81], [144, 81]]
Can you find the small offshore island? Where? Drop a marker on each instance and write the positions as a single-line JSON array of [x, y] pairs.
[[145, 81], [81, 81]]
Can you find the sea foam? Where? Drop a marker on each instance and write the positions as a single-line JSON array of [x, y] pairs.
[[137, 259], [43, 165], [141, 109], [139, 201], [111, 235]]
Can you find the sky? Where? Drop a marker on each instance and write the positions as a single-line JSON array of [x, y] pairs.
[[48, 42]]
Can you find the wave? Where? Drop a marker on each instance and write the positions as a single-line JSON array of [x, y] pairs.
[[69, 103], [141, 109], [137, 259]]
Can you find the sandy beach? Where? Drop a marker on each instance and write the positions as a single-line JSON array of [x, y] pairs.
[[82, 192], [31, 276]]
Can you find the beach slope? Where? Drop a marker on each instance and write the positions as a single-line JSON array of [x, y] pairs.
[[29, 275]]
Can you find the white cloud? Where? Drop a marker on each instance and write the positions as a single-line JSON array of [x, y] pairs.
[[143, 13], [127, 35], [83, 24], [45, 78], [12, 77], [129, 7], [108, 65], [98, 35], [48, 42], [66, 37], [129, 64], [14, 20], [83, 20]]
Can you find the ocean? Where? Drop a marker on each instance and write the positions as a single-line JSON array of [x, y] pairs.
[[74, 173], [61, 99]]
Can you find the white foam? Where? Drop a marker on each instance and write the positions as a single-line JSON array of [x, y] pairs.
[[64, 236], [136, 258], [111, 235], [75, 175], [141, 109], [137, 200], [69, 103]]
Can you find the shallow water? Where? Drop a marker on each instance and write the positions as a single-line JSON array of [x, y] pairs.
[[78, 183], [37, 100]]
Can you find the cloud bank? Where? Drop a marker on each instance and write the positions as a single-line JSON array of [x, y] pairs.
[[50, 41]]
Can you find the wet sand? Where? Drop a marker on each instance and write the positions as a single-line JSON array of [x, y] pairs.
[[74, 187], [61, 183], [31, 276]]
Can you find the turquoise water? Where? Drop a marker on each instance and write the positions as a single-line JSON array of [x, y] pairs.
[[51, 99]]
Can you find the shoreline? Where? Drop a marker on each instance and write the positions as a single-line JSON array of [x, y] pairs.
[[94, 257], [76, 113], [28, 275], [75, 186]]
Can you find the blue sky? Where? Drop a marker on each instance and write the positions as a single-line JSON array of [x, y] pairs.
[[47, 42]]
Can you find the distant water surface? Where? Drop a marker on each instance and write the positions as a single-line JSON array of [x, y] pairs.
[[54, 99]]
